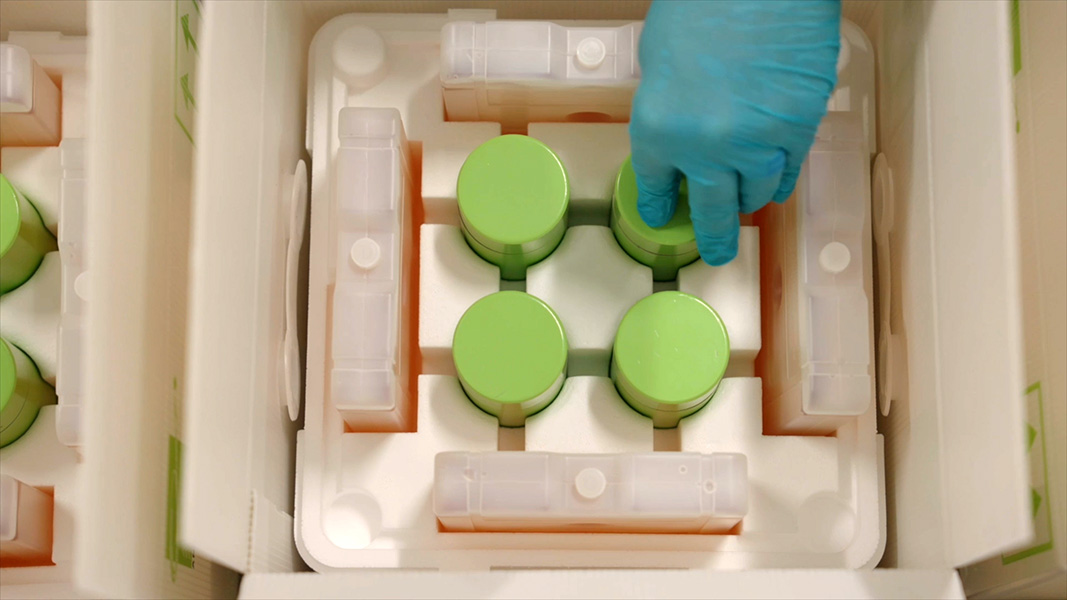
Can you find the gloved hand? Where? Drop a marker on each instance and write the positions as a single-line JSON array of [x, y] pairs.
[[731, 94]]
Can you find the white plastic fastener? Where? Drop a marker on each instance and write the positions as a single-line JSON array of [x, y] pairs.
[[834, 257], [365, 253], [590, 53], [590, 483]]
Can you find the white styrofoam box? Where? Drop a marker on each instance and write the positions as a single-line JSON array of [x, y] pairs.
[[733, 290], [589, 416], [1038, 569], [517, 72], [16, 86], [251, 185], [590, 282], [451, 279], [75, 261], [369, 317], [818, 359], [592, 154], [592, 493], [925, 51], [442, 157], [29, 316], [946, 126], [36, 173]]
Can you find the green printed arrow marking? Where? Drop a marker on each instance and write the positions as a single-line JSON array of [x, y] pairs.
[[189, 38], [187, 96], [186, 52], [1042, 520]]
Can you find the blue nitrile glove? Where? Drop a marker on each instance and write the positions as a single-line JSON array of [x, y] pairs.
[[731, 94]]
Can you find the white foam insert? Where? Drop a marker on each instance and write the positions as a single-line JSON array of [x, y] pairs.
[[589, 416], [803, 489], [733, 290], [451, 279], [590, 282], [592, 154], [363, 498], [29, 316], [442, 157], [385, 485], [36, 173]]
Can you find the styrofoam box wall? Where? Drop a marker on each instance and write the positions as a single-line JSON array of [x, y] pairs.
[[955, 484]]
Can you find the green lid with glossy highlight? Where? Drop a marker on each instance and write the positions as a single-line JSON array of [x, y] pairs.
[[670, 353], [510, 352], [513, 195]]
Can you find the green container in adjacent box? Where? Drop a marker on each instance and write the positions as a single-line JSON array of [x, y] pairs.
[[510, 352], [24, 240], [666, 249], [513, 194], [22, 393], [670, 353]]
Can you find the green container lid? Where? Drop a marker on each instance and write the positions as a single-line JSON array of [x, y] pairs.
[[22, 393], [666, 249], [513, 196], [510, 352], [24, 240], [670, 353]]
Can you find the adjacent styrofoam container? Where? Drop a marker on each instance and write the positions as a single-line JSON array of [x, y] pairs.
[[122, 184], [41, 458], [944, 114]]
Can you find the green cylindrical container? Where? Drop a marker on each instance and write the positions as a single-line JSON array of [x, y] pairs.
[[24, 240], [510, 352], [513, 194], [22, 393], [670, 353], [666, 249]]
